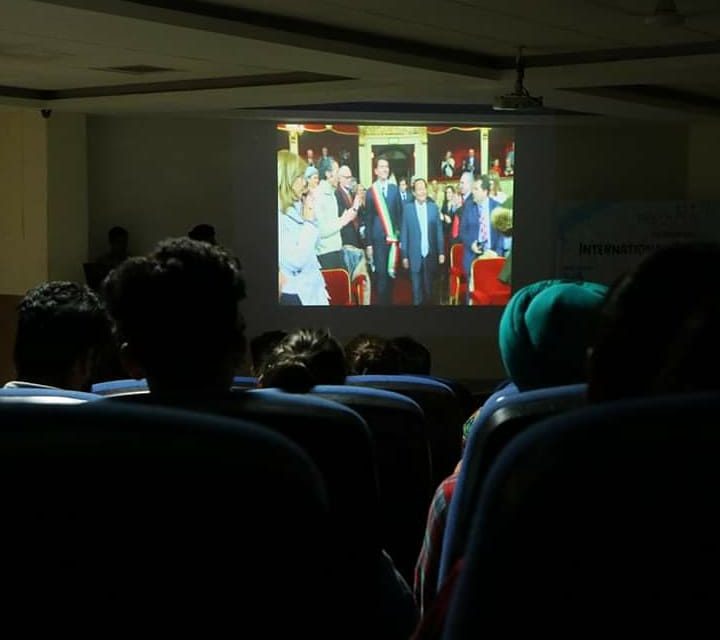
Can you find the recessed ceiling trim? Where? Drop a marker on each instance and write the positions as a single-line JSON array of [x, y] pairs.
[[656, 94], [236, 82], [136, 69], [313, 35], [616, 55], [401, 108], [21, 92], [295, 32]]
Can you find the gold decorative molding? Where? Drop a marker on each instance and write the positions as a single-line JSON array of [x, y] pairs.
[[392, 131]]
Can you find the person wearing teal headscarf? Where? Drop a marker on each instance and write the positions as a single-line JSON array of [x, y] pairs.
[[546, 330], [545, 333]]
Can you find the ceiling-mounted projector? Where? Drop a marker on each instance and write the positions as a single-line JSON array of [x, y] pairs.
[[519, 99], [517, 102]]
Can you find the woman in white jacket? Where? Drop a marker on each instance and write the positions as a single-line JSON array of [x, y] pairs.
[[300, 280]]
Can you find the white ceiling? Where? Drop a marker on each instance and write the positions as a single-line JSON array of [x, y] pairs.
[[592, 56], [497, 28]]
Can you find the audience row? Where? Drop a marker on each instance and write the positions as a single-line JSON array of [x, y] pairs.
[[174, 318]]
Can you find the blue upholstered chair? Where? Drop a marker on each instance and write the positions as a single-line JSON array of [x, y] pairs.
[[120, 387], [398, 428], [159, 518], [504, 415], [603, 518], [336, 438], [128, 386], [339, 442], [245, 382], [442, 410], [29, 395]]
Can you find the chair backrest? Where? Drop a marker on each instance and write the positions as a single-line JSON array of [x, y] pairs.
[[130, 386], [337, 282], [340, 444], [402, 448], [457, 252], [456, 277], [442, 413], [503, 417], [336, 438], [127, 386], [485, 288], [359, 287], [605, 516], [462, 393], [28, 395], [158, 517], [245, 382]]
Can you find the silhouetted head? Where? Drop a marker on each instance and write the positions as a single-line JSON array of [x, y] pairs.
[[261, 347], [303, 359], [367, 354], [118, 239], [61, 327], [203, 233], [176, 316], [414, 356], [660, 329]]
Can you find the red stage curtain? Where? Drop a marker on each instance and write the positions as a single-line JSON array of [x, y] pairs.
[[342, 129]]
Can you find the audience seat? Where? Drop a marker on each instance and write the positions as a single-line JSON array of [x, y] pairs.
[[28, 395], [338, 286], [359, 287], [507, 413], [485, 288], [158, 519], [457, 281], [339, 442], [442, 413], [601, 519], [336, 438], [399, 431], [245, 382], [462, 393], [130, 386], [120, 387]]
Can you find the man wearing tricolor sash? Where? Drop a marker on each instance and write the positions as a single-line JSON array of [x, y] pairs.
[[383, 219]]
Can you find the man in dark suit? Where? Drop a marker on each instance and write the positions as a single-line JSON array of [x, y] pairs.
[[354, 237], [405, 193], [471, 163], [477, 233], [383, 216], [466, 183], [421, 238]]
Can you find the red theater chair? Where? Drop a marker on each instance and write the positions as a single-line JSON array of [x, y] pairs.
[[457, 281], [485, 288], [337, 282], [359, 285]]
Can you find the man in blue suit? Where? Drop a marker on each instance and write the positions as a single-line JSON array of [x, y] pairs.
[[421, 239], [383, 216], [405, 193], [477, 233]]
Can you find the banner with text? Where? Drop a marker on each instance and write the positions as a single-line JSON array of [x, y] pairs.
[[600, 240]]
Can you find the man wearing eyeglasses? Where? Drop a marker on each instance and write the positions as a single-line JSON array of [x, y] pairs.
[[353, 237]]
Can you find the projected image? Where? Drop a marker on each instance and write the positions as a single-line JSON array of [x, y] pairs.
[[372, 215]]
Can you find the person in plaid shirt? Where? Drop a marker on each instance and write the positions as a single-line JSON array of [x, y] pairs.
[[428, 563], [544, 334]]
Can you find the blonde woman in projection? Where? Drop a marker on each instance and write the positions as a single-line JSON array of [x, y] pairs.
[[300, 280]]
